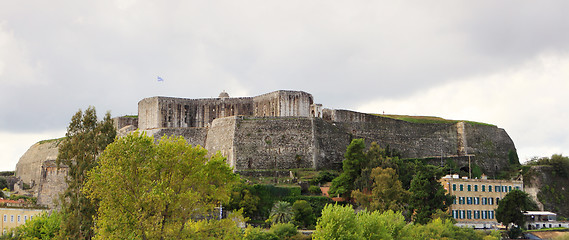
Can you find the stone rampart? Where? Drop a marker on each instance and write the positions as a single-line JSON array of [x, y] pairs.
[[273, 143], [194, 136], [52, 183], [220, 138]]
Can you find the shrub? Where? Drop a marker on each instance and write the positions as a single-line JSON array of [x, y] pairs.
[[314, 190], [253, 233], [284, 230]]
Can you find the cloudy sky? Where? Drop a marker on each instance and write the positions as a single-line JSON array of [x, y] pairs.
[[500, 62]]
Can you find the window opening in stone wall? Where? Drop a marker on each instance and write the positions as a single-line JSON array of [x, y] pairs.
[[186, 114]]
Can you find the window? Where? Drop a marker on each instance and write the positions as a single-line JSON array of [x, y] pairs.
[[483, 188], [469, 214], [477, 214], [509, 188], [483, 214], [5, 218], [461, 187], [19, 218], [490, 201], [476, 200], [461, 200], [468, 187], [455, 214], [497, 200], [497, 189], [11, 218], [461, 214], [484, 201], [490, 214], [469, 200], [504, 189], [454, 201], [517, 188], [476, 188], [25, 218], [489, 188], [454, 187]]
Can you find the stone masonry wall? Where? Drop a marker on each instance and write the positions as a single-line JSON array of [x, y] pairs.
[[220, 137], [52, 183], [194, 136], [273, 143]]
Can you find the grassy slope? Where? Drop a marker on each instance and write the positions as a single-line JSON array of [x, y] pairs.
[[427, 119]]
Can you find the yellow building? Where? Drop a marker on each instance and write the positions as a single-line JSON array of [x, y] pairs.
[[476, 200], [13, 217]]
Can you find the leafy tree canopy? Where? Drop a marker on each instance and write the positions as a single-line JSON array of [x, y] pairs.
[[510, 208], [152, 191], [427, 194], [86, 138]]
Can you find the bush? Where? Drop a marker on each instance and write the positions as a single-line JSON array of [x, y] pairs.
[[303, 214], [252, 233], [324, 177], [284, 230], [315, 190]]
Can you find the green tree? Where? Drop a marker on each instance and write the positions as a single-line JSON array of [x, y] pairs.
[[387, 192], [427, 194], [351, 166], [510, 208], [303, 214], [86, 138], [281, 212], [385, 225], [152, 191], [337, 222], [243, 197], [44, 226], [284, 230]]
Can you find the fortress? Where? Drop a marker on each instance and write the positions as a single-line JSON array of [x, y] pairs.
[[286, 129], [279, 131]]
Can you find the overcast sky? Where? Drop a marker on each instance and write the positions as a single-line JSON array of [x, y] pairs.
[[499, 62]]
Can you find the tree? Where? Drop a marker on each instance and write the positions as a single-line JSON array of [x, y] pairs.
[[281, 212], [510, 208], [427, 194], [303, 214], [351, 166], [153, 191], [387, 192], [337, 222], [86, 138]]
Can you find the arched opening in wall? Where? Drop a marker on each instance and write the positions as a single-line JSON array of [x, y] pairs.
[[313, 113]]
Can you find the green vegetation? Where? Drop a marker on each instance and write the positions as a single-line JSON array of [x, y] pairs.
[[45, 226], [85, 140], [387, 192], [510, 210], [341, 222], [429, 119], [428, 194], [56, 140], [281, 213], [152, 185]]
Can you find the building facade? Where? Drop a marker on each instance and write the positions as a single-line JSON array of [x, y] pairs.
[[476, 200], [13, 217]]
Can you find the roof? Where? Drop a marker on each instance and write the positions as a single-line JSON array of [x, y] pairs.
[[538, 213]]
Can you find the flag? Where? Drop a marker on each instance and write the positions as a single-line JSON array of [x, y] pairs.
[[160, 79]]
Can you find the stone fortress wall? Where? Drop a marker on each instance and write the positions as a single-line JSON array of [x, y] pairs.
[[285, 129]]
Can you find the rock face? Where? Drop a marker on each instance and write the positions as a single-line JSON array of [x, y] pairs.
[[28, 168], [548, 188]]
